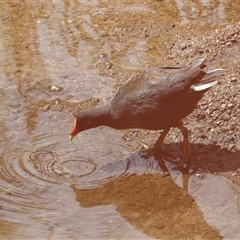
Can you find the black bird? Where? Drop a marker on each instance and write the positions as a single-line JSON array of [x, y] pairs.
[[157, 99]]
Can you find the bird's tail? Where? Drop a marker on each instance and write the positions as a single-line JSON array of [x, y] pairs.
[[209, 80]]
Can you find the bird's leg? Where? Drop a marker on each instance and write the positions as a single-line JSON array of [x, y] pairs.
[[185, 157], [157, 146], [156, 149]]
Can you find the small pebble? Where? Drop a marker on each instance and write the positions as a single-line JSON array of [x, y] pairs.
[[55, 88]]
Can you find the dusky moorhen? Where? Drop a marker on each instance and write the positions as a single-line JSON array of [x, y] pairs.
[[155, 99]]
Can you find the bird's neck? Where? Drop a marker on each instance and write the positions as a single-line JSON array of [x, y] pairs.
[[99, 116]]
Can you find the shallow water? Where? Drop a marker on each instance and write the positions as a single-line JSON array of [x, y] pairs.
[[58, 57]]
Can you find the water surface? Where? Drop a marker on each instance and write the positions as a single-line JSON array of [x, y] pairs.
[[58, 57]]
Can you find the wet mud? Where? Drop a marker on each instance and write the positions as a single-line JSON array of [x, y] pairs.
[[60, 57]]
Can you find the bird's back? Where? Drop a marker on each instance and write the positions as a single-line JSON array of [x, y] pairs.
[[153, 99]]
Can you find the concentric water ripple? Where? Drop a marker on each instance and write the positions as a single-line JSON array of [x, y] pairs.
[[31, 167], [108, 157]]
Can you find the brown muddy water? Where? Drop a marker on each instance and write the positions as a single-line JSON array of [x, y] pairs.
[[61, 56]]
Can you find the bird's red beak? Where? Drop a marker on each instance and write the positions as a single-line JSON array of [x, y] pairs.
[[74, 131]]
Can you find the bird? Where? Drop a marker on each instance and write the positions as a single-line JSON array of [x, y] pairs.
[[156, 99]]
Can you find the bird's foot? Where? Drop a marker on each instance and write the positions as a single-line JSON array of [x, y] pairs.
[[184, 164], [147, 153], [158, 155]]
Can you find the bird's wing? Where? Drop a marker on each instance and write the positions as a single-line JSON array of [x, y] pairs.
[[156, 88], [164, 80]]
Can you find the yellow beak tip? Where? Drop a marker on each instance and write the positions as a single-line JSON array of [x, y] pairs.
[[71, 138]]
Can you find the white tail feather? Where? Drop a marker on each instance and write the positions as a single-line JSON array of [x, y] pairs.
[[203, 87], [215, 70]]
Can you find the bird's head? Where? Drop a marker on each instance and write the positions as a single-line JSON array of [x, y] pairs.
[[83, 121], [89, 118]]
